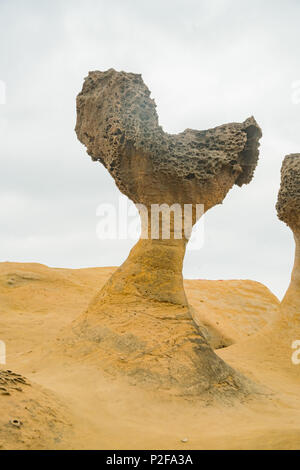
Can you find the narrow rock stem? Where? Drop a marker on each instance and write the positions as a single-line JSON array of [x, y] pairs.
[[152, 270]]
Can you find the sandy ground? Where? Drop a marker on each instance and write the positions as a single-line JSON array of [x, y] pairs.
[[71, 403]]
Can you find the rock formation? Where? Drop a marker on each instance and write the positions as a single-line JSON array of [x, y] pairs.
[[274, 345], [140, 320], [288, 209]]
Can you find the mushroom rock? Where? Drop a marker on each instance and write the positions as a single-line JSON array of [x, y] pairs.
[[272, 349], [141, 320], [288, 210]]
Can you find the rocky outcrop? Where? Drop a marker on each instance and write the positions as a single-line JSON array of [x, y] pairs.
[[31, 417], [274, 345], [118, 123], [141, 314]]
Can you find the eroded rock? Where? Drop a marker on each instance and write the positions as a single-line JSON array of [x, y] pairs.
[[142, 311], [118, 123], [288, 209]]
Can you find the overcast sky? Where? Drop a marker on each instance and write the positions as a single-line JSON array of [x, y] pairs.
[[206, 62]]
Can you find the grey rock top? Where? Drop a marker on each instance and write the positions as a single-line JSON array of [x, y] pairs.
[[288, 204], [118, 123]]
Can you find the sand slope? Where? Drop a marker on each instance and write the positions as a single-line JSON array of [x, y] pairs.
[[94, 410]]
